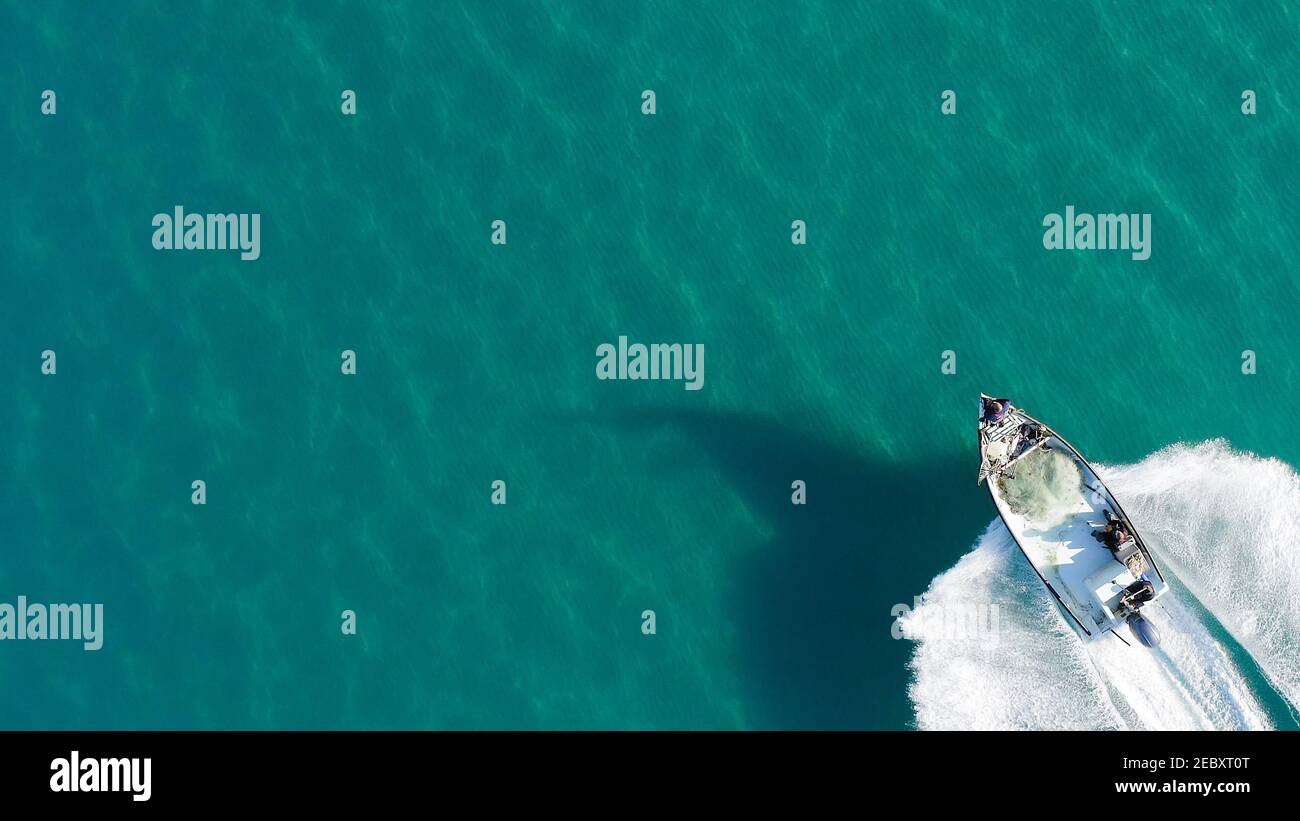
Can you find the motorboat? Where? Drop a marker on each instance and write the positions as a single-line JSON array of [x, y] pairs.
[[1069, 526]]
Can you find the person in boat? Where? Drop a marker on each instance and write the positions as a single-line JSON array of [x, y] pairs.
[[1115, 534], [995, 410], [1121, 529], [1137, 594], [1032, 434], [1122, 537]]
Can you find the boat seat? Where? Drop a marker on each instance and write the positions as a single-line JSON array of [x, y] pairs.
[[1125, 550], [1131, 557], [1103, 585]]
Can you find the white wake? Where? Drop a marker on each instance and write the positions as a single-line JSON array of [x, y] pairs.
[[1224, 523]]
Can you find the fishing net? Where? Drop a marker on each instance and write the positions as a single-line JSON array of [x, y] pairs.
[[1045, 488]]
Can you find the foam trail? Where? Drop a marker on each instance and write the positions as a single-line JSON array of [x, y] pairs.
[[1222, 522], [1228, 525]]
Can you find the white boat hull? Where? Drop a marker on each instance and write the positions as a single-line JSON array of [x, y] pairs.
[[1052, 518]]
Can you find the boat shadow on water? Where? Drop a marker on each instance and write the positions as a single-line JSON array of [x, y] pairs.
[[812, 608]]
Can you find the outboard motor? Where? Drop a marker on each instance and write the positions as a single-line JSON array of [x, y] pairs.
[[1144, 630]]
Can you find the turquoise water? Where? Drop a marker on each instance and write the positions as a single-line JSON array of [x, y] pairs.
[[476, 362]]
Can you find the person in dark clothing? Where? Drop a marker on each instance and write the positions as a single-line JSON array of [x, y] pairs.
[[1107, 536], [995, 409], [1115, 534], [1138, 593]]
